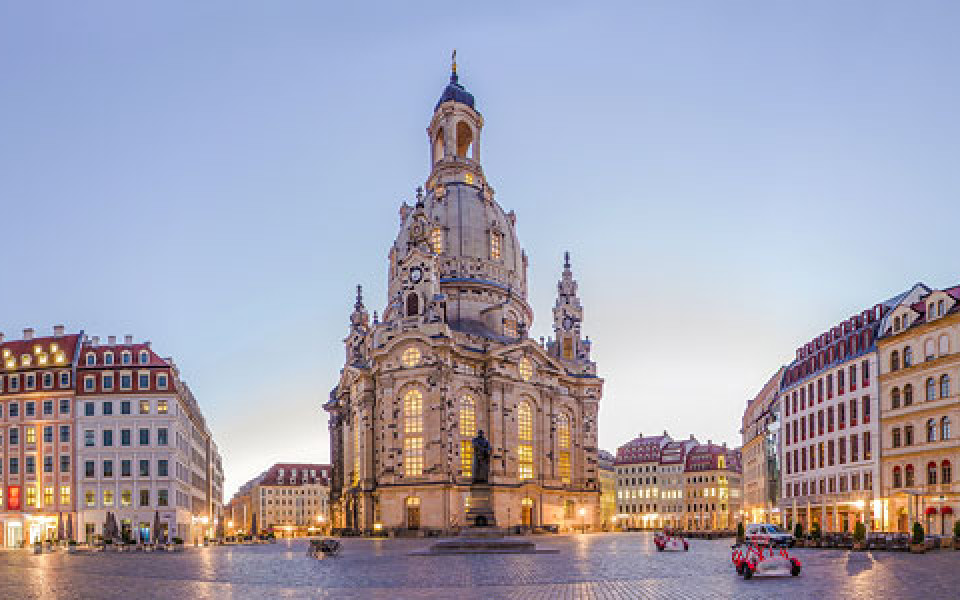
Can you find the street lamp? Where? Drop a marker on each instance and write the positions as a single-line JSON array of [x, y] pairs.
[[583, 523]]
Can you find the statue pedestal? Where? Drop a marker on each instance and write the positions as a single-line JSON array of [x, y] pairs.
[[480, 514], [482, 536]]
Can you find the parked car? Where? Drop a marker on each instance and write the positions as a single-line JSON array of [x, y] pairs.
[[765, 533]]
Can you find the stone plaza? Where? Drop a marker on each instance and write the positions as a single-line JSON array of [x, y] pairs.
[[624, 565]]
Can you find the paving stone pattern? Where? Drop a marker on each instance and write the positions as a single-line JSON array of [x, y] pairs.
[[602, 566]]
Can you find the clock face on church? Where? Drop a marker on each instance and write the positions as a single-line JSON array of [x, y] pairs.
[[416, 274]]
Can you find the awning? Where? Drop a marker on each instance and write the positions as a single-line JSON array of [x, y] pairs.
[[931, 510], [946, 510]]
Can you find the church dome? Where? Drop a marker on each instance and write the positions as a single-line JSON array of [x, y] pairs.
[[456, 92]]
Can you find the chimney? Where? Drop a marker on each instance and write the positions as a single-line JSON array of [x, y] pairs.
[[147, 343], [724, 444], [128, 339], [709, 442], [1, 337], [691, 437], [112, 340], [95, 340], [57, 330], [664, 433], [28, 333]]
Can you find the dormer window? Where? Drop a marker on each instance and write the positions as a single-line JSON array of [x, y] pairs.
[[144, 357], [25, 360], [91, 359], [126, 357], [940, 306], [108, 358]]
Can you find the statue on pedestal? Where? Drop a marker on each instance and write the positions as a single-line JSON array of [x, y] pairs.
[[481, 458]]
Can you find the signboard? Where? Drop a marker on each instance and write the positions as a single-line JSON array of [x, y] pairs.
[[13, 497]]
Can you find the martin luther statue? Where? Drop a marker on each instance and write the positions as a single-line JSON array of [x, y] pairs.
[[481, 458]]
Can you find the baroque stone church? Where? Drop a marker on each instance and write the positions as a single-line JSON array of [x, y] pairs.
[[451, 355]]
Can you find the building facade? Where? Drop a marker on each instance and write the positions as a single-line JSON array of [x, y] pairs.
[[288, 499], [760, 451], [830, 400], [91, 428], [452, 356], [713, 478], [920, 367], [37, 495], [608, 489]]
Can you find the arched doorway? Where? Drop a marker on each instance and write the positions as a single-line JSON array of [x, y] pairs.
[[413, 513], [526, 512]]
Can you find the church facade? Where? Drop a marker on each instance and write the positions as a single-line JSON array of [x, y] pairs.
[[451, 355]]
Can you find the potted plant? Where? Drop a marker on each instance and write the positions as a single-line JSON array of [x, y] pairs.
[[860, 537], [956, 535], [72, 547], [38, 547], [916, 542], [798, 534], [815, 535]]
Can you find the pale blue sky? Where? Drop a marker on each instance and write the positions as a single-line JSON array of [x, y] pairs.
[[732, 178]]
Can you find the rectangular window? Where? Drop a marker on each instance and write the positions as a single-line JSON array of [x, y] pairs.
[[162, 406], [854, 448], [840, 382], [162, 436], [144, 437], [65, 434], [48, 496], [126, 381], [124, 437], [88, 438], [866, 409], [144, 468], [842, 450], [88, 409], [48, 434], [125, 407], [867, 455], [108, 437], [14, 436], [89, 384], [865, 372], [108, 408], [64, 494], [895, 437], [64, 463], [413, 456], [47, 408], [30, 409], [108, 497], [64, 379], [163, 498], [161, 381], [908, 435], [89, 469], [14, 465], [841, 416], [125, 470], [820, 455], [144, 497], [853, 412], [143, 381], [144, 407], [126, 498], [64, 406], [31, 381], [162, 468], [830, 453], [108, 468], [107, 381], [47, 381], [853, 377], [829, 419], [14, 409], [31, 465]]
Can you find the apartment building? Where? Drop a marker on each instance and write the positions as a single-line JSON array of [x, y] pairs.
[[288, 499]]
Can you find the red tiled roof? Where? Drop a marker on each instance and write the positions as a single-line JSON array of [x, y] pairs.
[[272, 476], [100, 349], [65, 343]]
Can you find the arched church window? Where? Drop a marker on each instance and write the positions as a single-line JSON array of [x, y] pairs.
[[438, 146], [494, 245], [468, 429], [413, 433], [413, 305], [464, 140], [356, 449], [411, 357], [525, 441], [526, 369], [563, 445], [436, 240]]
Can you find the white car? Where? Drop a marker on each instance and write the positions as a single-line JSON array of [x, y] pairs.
[[669, 542], [770, 535], [752, 560]]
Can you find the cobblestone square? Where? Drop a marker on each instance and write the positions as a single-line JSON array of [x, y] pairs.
[[603, 566]]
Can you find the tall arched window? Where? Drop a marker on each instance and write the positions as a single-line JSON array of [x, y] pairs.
[[931, 389], [908, 478], [931, 430], [894, 360], [468, 430], [907, 357], [413, 433], [525, 441], [356, 449], [438, 146], [413, 305], [897, 478], [945, 428], [563, 447], [931, 473], [895, 398], [436, 240], [464, 140], [945, 386], [946, 476], [907, 395]]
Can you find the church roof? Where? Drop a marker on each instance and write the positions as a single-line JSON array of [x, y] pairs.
[[456, 92]]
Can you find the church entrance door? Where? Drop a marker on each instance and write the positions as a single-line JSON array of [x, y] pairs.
[[413, 513]]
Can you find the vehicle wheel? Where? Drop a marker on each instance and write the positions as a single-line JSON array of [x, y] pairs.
[[686, 547], [795, 570], [659, 548], [747, 571], [740, 569]]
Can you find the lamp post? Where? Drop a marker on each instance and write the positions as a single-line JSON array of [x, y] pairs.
[[583, 523]]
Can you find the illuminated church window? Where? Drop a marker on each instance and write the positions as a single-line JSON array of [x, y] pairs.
[[468, 429], [413, 433], [525, 439], [526, 369], [563, 443], [436, 240], [494, 245], [411, 357]]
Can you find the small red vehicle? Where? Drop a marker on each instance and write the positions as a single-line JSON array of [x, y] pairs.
[[668, 541], [764, 560]]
